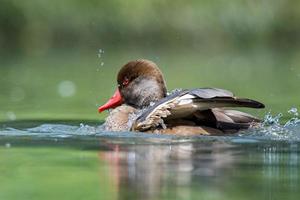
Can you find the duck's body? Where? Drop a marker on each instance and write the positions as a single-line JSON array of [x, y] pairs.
[[141, 104], [122, 119]]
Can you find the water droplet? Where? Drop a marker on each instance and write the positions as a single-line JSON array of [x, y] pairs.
[[100, 52], [7, 145], [293, 111], [66, 88], [11, 115]]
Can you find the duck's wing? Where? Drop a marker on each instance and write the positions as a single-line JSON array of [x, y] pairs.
[[186, 103], [229, 121]]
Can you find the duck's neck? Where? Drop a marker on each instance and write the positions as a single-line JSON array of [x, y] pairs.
[[143, 91]]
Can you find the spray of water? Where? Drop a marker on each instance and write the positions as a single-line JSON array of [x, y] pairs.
[[100, 57], [274, 127]]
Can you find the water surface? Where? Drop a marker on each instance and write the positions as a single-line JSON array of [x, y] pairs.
[[75, 160]]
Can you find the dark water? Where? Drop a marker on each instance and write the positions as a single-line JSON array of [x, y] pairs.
[[40, 160]]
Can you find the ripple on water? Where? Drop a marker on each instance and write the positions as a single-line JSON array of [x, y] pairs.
[[272, 129]]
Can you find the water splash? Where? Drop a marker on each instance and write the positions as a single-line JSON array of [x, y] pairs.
[[61, 130], [294, 121], [274, 127]]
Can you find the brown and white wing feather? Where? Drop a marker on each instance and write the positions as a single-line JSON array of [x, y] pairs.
[[185, 103], [153, 117], [208, 98]]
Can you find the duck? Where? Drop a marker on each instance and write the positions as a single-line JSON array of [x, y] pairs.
[[141, 103]]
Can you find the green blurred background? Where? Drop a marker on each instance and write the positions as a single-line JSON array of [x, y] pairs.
[[52, 63]]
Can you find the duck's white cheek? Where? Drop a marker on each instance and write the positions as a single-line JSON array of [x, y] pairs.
[[141, 92]]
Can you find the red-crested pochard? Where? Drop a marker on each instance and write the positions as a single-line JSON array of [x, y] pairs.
[[141, 104]]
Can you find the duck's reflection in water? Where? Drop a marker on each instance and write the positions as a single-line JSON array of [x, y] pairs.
[[155, 171]]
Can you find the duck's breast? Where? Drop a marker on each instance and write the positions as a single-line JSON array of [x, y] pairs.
[[119, 119]]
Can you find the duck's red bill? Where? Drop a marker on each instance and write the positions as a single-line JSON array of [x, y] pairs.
[[113, 102]]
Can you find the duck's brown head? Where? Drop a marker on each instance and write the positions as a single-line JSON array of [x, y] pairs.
[[140, 82]]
